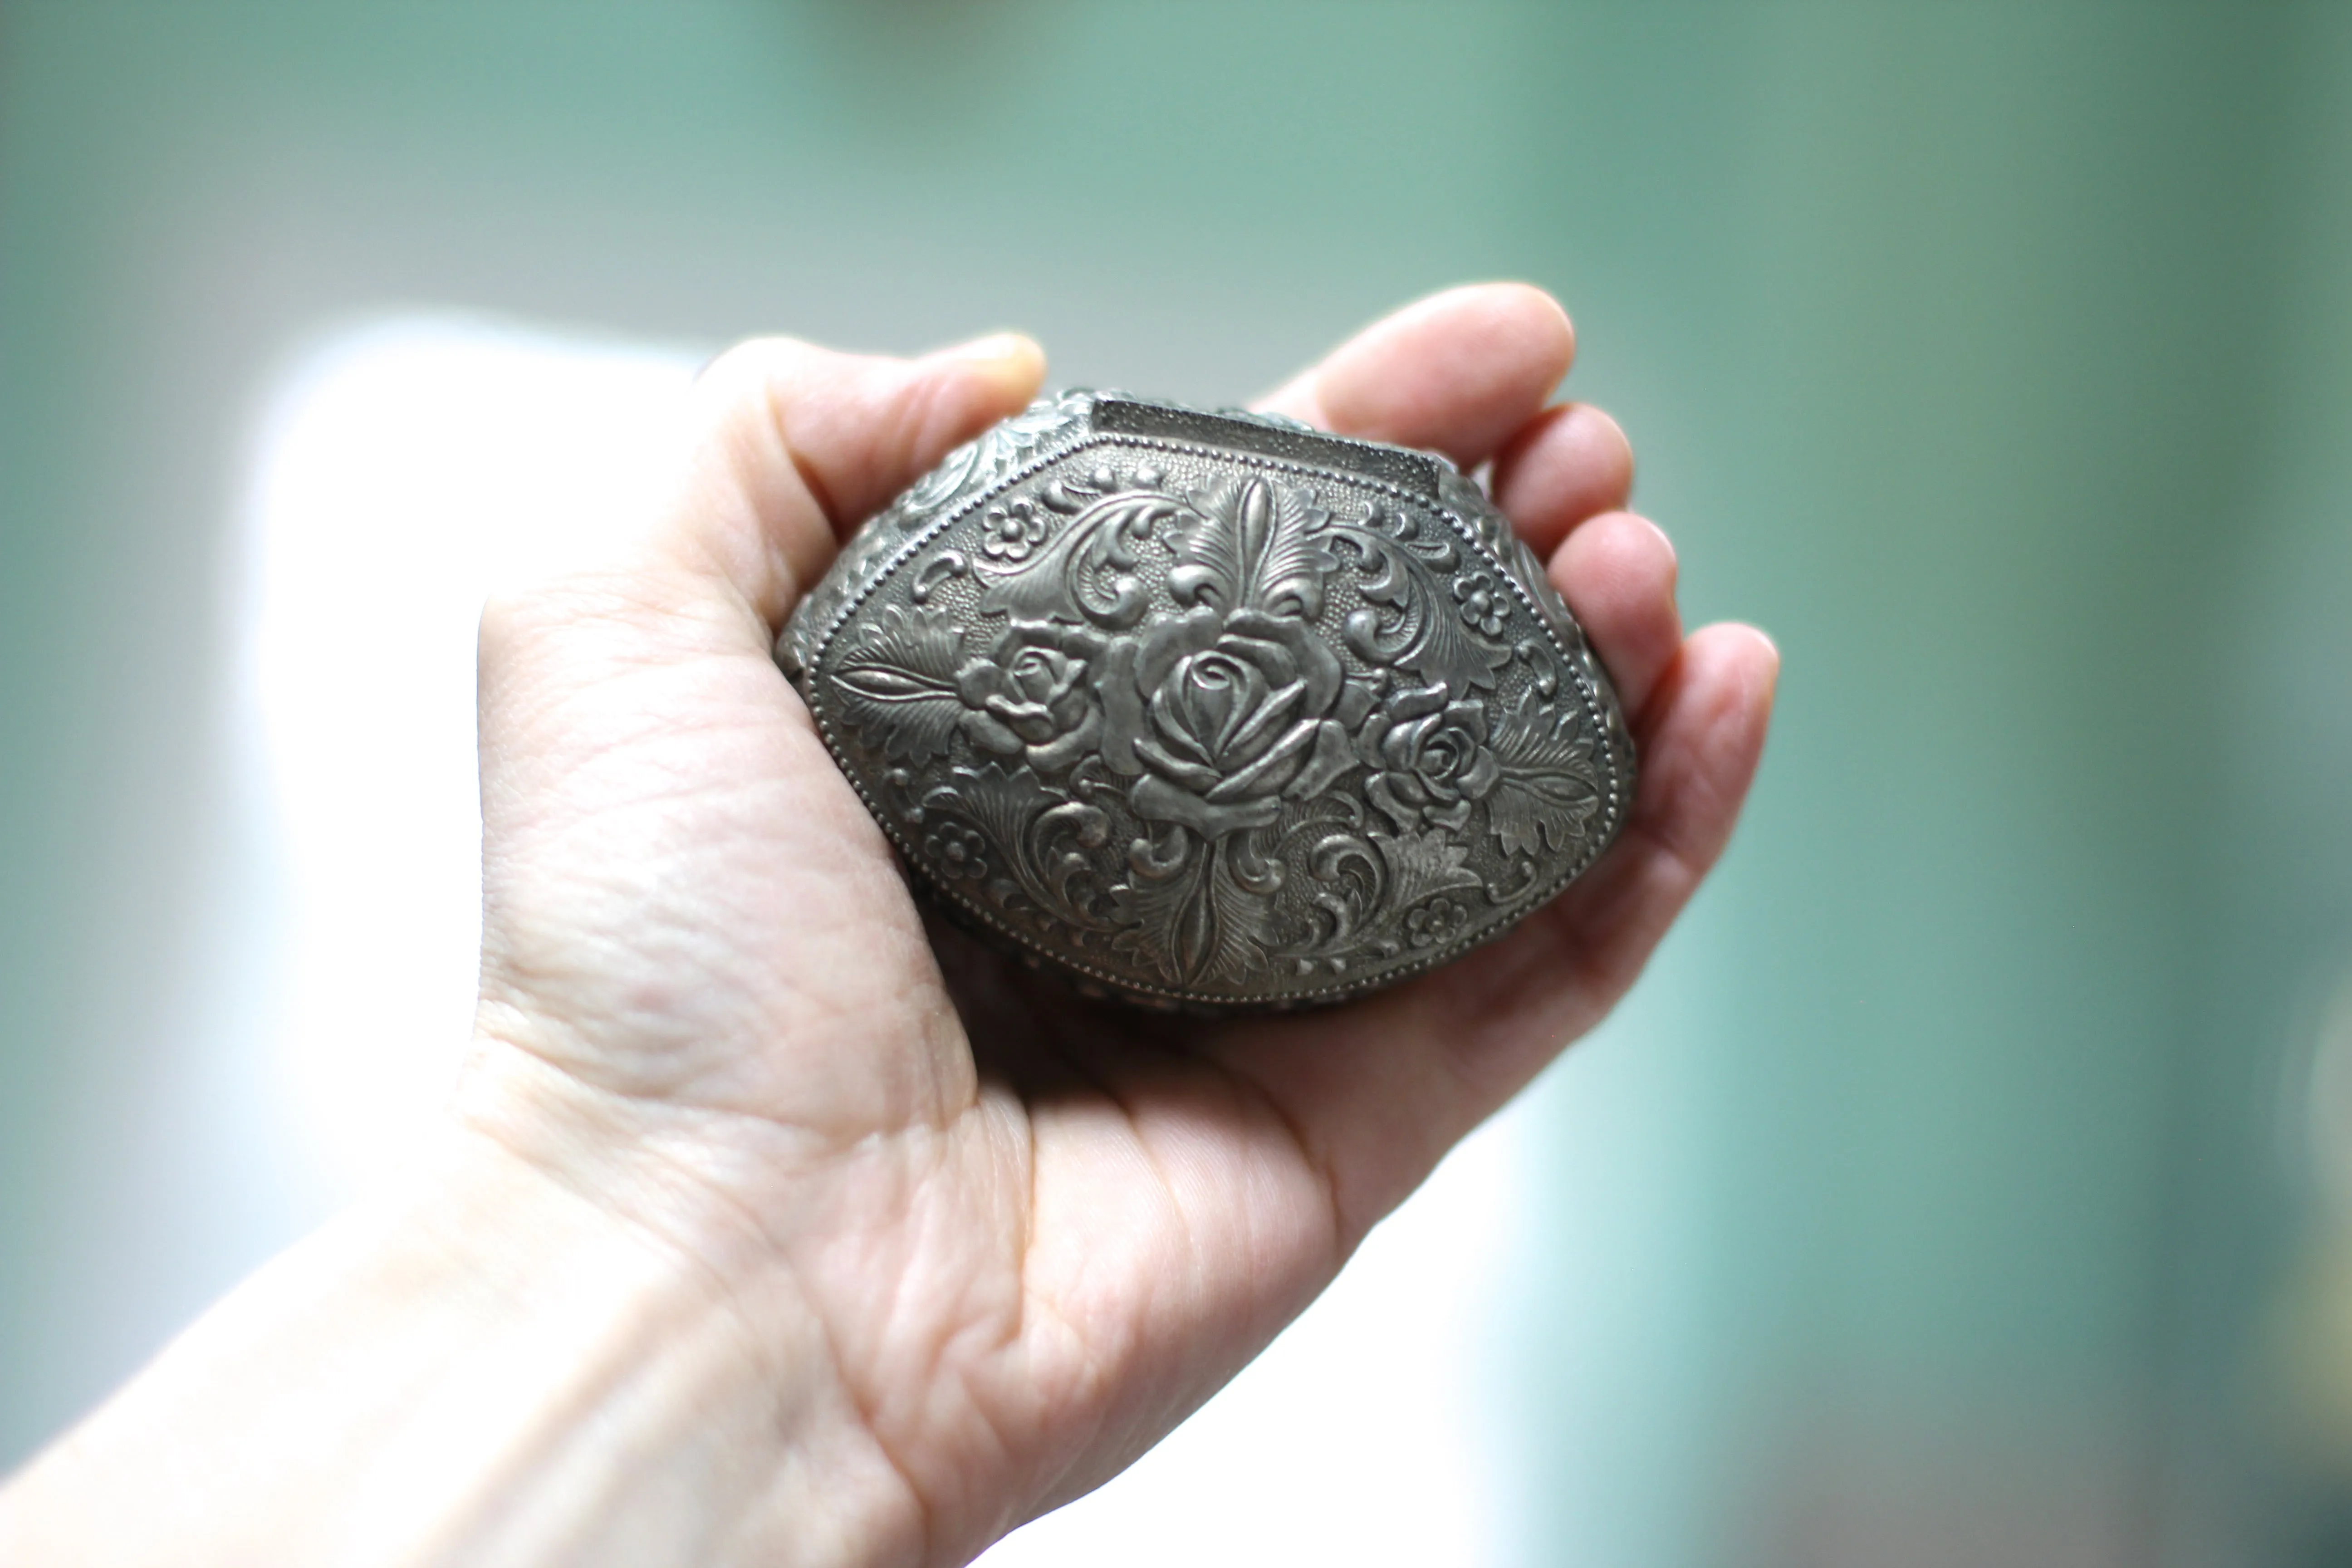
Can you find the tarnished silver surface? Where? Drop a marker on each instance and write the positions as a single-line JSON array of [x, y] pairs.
[[1211, 709]]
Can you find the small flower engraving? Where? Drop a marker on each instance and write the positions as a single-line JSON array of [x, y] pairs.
[[1482, 602], [955, 852], [1011, 532], [1438, 921]]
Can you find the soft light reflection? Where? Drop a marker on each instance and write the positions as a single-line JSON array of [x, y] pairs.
[[405, 467]]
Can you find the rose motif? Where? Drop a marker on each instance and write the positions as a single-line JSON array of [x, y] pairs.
[[1431, 755], [1436, 922], [1482, 602], [1030, 695], [957, 851], [1218, 715], [1011, 532]]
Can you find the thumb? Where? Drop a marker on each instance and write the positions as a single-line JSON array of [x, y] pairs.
[[790, 447], [786, 447], [658, 818]]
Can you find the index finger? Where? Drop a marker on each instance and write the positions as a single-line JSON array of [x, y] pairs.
[[1460, 371]]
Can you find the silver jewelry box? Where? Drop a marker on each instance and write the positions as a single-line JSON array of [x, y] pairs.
[[1211, 709]]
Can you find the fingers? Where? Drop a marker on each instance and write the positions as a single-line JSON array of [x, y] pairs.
[[1617, 573], [792, 446], [1466, 372], [1459, 372], [1568, 464], [1700, 739], [1379, 1092]]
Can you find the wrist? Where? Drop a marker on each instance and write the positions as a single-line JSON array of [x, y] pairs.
[[604, 1392], [484, 1363]]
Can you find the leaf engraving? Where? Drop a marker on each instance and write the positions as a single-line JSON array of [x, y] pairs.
[[1248, 545], [1083, 573], [1417, 627], [1201, 921], [1547, 792], [1033, 842], [897, 686], [1422, 864]]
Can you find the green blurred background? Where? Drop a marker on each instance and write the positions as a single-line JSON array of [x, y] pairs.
[[1965, 1184]]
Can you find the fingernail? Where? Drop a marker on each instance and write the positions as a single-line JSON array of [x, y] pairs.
[[1772, 684], [1012, 360], [995, 348]]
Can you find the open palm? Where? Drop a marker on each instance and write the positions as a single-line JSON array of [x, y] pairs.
[[1000, 1239]]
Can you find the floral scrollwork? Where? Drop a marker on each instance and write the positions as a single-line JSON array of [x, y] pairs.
[[1215, 732]]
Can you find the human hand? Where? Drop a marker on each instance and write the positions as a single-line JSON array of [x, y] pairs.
[[1028, 1233], [769, 1227]]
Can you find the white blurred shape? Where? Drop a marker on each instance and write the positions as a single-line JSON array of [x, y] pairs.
[[404, 467]]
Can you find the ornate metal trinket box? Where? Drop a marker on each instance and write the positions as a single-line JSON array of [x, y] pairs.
[[1213, 710]]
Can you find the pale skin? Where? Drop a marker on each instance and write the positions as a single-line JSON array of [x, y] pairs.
[[768, 1226]]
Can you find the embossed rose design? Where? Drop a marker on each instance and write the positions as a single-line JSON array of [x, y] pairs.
[[1432, 756], [1009, 532], [1224, 728], [1481, 602], [1029, 694], [1219, 714]]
